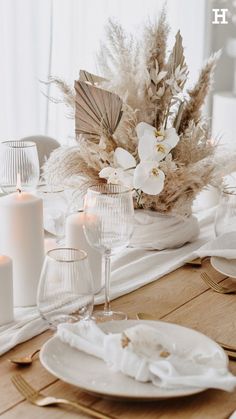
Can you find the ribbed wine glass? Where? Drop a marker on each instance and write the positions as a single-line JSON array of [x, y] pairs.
[[108, 225], [65, 290], [18, 158], [55, 210], [225, 220]]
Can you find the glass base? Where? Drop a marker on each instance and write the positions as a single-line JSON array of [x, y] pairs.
[[101, 316]]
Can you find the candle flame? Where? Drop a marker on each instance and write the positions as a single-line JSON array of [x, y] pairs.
[[18, 183]]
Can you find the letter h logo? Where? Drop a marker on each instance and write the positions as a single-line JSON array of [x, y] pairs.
[[220, 16]]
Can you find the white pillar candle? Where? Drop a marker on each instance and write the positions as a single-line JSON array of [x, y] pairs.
[[6, 290], [75, 238], [22, 238]]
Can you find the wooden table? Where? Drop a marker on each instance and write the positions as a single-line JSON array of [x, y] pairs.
[[180, 297]]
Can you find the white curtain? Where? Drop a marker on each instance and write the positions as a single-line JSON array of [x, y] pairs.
[[39, 38]]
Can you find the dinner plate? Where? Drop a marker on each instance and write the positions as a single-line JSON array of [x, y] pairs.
[[224, 266], [92, 374]]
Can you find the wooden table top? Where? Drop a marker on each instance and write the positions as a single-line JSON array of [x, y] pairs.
[[180, 297]]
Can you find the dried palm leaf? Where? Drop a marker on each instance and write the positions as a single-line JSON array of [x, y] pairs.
[[178, 116], [177, 58], [98, 112], [175, 80], [90, 78]]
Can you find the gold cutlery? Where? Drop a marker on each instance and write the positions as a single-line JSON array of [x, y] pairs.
[[194, 262], [230, 350], [217, 287], [231, 355], [227, 347], [145, 316], [24, 360], [35, 397]]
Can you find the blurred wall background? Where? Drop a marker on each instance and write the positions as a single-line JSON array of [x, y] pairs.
[[40, 38], [43, 38]]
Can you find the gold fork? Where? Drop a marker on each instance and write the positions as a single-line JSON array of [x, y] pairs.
[[35, 397], [217, 287]]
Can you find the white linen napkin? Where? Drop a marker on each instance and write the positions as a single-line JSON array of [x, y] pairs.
[[145, 354], [233, 416], [223, 246], [27, 324]]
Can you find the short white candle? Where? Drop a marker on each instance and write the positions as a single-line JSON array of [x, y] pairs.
[[22, 238], [75, 238], [6, 290]]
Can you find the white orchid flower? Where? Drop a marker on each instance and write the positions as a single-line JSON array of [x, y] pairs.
[[154, 144], [122, 173], [149, 178], [112, 174], [123, 159]]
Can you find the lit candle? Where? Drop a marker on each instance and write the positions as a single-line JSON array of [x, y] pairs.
[[22, 238], [6, 290], [75, 238]]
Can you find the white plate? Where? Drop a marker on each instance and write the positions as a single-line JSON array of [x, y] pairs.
[[92, 374], [224, 266]]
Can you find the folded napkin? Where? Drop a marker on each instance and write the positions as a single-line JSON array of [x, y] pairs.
[[26, 325], [156, 231], [148, 355], [233, 416], [223, 246]]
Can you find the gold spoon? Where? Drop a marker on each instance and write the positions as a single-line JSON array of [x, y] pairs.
[[24, 360]]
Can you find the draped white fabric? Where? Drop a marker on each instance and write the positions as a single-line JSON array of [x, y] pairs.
[[39, 38]]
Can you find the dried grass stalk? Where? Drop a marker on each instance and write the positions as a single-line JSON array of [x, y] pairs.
[[155, 42], [68, 94], [197, 95], [194, 145]]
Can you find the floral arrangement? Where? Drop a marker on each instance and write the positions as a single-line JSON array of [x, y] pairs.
[[136, 126]]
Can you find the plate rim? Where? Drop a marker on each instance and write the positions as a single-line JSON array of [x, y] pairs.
[[112, 396], [213, 259]]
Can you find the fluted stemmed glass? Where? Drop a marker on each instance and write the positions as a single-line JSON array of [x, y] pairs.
[[108, 226]]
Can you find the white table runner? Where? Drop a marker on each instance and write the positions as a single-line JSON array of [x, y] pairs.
[[130, 271]]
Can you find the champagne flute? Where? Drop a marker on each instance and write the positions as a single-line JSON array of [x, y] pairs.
[[108, 226]]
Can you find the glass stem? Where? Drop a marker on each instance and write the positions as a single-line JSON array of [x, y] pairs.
[[107, 258]]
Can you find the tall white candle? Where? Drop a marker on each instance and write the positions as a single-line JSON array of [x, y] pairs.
[[6, 290], [75, 238], [22, 238]]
